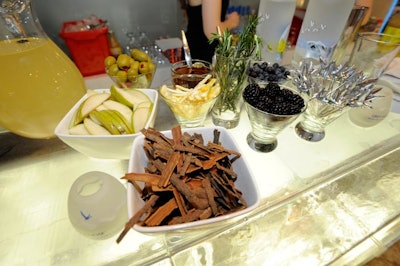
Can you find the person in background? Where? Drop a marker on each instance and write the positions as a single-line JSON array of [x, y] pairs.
[[203, 18], [366, 3]]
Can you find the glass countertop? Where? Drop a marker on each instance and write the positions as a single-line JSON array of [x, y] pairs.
[[332, 202]]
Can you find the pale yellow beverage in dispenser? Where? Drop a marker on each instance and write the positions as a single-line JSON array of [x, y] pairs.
[[39, 84]]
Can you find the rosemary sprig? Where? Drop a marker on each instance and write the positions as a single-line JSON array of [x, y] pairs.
[[248, 42], [231, 64]]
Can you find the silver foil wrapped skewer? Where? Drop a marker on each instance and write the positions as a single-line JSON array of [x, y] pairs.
[[341, 85]]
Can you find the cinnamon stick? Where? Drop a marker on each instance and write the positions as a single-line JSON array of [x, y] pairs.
[[135, 218], [161, 213], [185, 179], [192, 198]]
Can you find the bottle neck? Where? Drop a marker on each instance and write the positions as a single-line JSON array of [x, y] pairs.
[[22, 23]]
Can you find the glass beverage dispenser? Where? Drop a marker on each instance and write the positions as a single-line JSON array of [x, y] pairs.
[[38, 81]]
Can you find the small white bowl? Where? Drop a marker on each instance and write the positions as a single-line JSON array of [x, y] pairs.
[[245, 182], [101, 146]]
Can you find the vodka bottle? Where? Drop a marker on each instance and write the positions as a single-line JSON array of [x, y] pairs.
[[322, 27], [275, 20]]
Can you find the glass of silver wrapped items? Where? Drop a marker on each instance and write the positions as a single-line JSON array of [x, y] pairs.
[[331, 89]]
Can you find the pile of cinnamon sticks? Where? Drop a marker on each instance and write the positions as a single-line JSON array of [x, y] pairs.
[[185, 180]]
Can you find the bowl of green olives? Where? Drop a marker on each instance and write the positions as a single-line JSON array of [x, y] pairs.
[[134, 70]]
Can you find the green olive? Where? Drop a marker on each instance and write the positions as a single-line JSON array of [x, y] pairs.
[[152, 67], [143, 67], [135, 65], [132, 74], [122, 76], [109, 61], [124, 61], [113, 69], [139, 55]]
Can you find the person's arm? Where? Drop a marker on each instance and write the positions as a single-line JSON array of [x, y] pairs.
[[368, 4], [211, 12]]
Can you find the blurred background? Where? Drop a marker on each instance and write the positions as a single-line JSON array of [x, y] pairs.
[[158, 19]]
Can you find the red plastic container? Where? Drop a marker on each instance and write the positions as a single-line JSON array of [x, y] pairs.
[[88, 48]]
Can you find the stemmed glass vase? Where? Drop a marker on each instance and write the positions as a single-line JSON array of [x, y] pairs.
[[317, 116], [332, 90], [270, 109], [265, 127]]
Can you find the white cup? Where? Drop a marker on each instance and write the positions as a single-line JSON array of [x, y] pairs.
[[368, 117], [97, 206]]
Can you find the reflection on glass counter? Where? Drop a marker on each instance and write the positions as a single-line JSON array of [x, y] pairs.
[[316, 227]]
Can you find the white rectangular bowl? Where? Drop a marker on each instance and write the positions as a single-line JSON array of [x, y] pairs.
[[245, 182], [102, 146]]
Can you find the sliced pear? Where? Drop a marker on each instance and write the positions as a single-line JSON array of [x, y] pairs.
[[129, 97], [141, 82], [122, 108], [140, 117], [123, 125], [101, 107], [91, 103], [91, 92], [94, 118], [106, 120], [113, 121], [74, 120], [78, 130], [146, 104], [94, 128]]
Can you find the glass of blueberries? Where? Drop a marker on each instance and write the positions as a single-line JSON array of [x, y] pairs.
[[270, 108], [262, 72]]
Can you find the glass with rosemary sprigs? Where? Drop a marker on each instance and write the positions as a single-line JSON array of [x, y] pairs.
[[232, 56]]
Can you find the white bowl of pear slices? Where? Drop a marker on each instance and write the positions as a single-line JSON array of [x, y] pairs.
[[104, 122]]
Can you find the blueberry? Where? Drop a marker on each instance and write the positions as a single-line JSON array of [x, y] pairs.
[[273, 99], [264, 65], [268, 72]]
